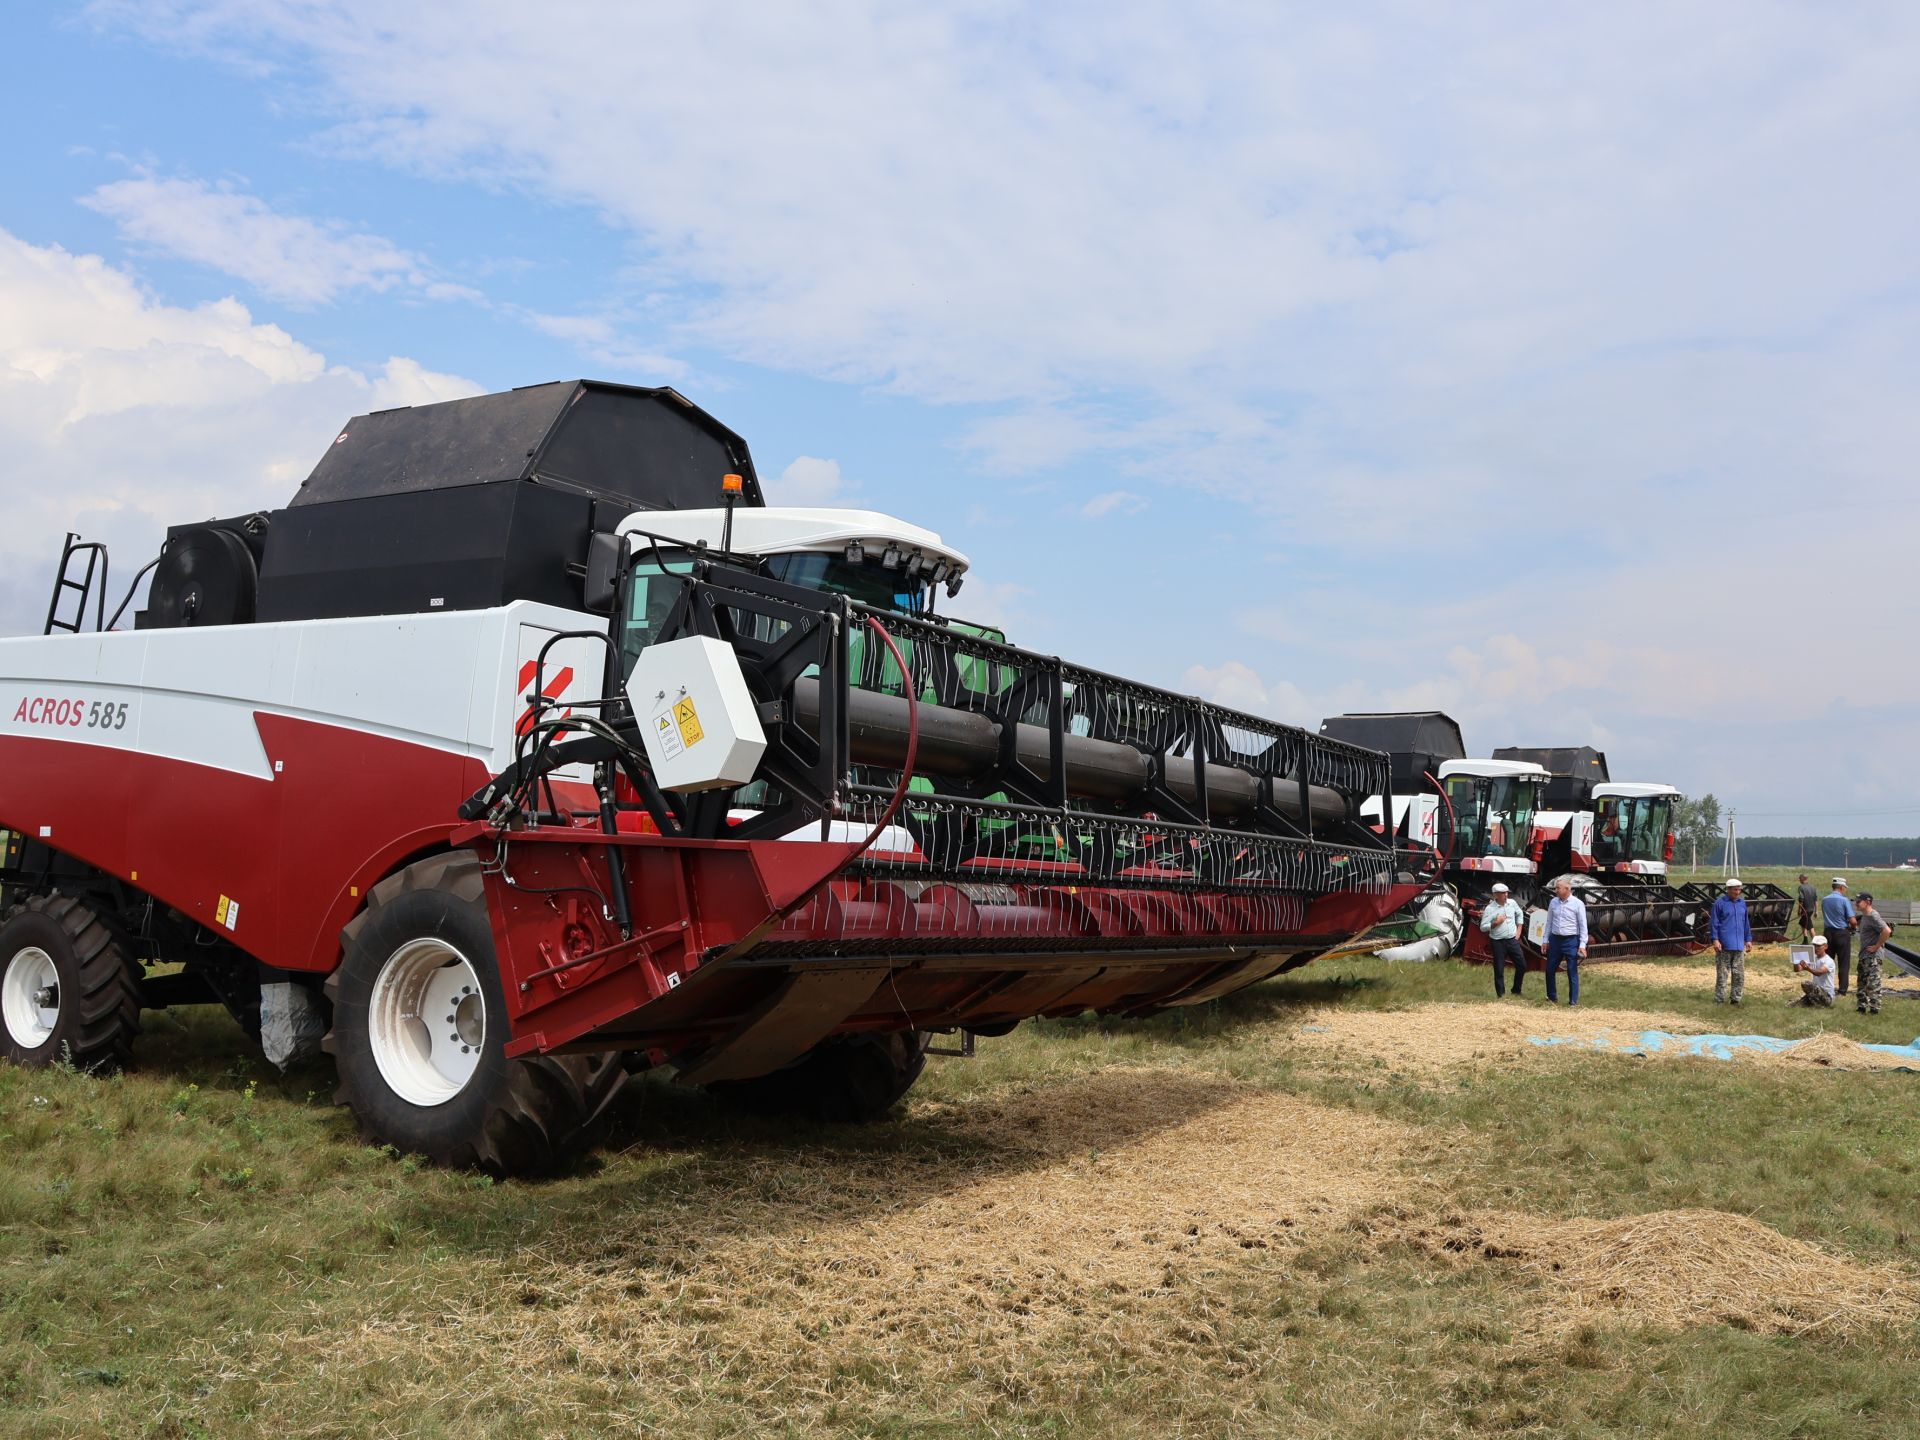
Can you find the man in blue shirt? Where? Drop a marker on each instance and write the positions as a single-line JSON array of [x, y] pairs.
[[1732, 938], [1837, 919], [1566, 938]]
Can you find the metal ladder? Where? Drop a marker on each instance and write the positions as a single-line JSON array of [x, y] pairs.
[[96, 554]]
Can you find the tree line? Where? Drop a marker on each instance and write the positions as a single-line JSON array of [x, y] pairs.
[[1701, 822]]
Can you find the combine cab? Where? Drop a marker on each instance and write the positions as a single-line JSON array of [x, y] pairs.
[[507, 760]]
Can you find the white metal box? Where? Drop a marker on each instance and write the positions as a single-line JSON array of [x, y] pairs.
[[696, 715]]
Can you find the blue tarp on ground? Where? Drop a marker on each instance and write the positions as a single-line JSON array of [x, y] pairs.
[[1720, 1047]]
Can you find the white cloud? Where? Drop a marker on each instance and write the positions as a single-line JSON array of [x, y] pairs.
[[1113, 502], [290, 257], [1537, 337], [121, 415], [602, 338], [809, 480]]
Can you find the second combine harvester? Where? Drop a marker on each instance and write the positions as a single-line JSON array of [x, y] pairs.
[[526, 745]]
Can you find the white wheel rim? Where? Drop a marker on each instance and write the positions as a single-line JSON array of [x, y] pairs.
[[30, 997], [427, 1022]]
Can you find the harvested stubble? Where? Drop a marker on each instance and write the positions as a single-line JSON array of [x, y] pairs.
[[1106, 1223], [1672, 1269], [1430, 1040]]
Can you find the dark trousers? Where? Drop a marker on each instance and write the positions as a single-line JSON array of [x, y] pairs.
[[1567, 948], [1508, 952], [1840, 947]]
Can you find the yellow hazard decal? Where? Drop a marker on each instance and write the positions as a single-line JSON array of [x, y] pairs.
[[689, 721], [227, 913]]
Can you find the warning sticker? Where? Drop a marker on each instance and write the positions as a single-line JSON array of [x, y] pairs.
[[227, 913], [666, 735], [689, 721]]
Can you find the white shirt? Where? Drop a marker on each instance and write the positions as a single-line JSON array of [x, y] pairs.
[[1820, 971], [1502, 921]]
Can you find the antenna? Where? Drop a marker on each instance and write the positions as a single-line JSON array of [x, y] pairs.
[[1733, 850]]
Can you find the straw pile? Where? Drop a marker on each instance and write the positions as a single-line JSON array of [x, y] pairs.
[[1672, 1269], [1077, 1228], [1430, 1040], [1838, 1051]]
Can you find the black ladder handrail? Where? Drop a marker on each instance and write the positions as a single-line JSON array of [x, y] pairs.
[[96, 553]]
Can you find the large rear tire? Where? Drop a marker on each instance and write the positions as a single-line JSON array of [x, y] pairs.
[[850, 1079], [420, 1031], [69, 992]]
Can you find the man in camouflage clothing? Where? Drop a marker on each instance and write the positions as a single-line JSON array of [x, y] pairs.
[[1873, 935]]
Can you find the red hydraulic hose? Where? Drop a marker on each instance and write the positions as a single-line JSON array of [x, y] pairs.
[[913, 745], [774, 917], [1453, 830]]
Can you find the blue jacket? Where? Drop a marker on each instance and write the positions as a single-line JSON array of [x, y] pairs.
[[1836, 910], [1730, 924]]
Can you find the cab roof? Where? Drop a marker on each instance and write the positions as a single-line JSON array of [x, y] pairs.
[[1494, 769], [785, 529]]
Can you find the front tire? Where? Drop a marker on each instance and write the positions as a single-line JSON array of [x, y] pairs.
[[69, 991], [420, 1031]]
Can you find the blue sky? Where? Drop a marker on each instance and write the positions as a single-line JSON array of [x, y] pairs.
[[1552, 366]]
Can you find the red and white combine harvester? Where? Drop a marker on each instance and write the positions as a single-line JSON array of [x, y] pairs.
[[1473, 818], [526, 745]]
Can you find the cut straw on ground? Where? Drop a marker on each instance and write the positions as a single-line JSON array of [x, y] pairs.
[[1673, 1269]]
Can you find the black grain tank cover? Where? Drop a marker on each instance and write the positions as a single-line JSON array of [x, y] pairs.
[[469, 504], [1418, 740], [1575, 769], [645, 449]]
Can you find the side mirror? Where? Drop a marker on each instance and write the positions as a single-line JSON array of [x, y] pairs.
[[605, 552]]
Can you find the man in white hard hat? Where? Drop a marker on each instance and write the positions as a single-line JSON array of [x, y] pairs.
[[1837, 916], [1732, 938], [1501, 919], [1817, 988]]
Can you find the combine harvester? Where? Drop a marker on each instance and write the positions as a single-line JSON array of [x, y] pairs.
[[507, 759], [1477, 816]]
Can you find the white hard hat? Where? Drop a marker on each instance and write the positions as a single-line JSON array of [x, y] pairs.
[[1839, 879], [1734, 883], [1819, 939], [1500, 889]]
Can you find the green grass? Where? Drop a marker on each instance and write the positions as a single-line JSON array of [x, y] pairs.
[[1886, 884], [204, 1248]]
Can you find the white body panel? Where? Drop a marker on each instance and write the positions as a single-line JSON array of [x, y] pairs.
[[1624, 790], [1424, 826], [451, 681]]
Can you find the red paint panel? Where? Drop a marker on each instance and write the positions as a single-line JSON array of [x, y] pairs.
[[344, 807]]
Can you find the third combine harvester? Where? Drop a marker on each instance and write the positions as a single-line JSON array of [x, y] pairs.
[[527, 746]]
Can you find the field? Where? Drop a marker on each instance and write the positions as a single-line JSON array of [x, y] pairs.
[[1353, 1202]]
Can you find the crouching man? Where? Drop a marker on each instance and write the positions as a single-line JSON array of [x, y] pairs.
[[1816, 986]]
